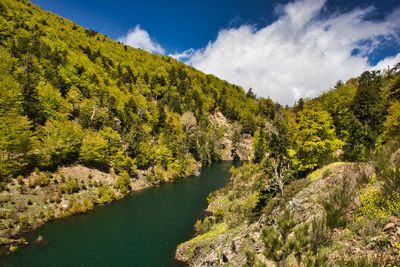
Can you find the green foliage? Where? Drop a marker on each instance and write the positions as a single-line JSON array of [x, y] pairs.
[[123, 183], [278, 244], [259, 146], [70, 187], [94, 150], [24, 223], [315, 137], [202, 227], [336, 204], [69, 94], [218, 215], [387, 168], [105, 195], [43, 179], [392, 123], [250, 258], [319, 234]]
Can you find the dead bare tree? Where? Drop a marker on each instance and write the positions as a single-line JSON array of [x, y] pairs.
[[281, 173]]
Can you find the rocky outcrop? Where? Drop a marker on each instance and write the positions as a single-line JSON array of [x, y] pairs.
[[243, 149]]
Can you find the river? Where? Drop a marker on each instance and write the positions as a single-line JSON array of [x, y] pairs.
[[142, 229]]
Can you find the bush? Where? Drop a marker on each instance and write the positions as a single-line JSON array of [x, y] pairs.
[[71, 187], [94, 150], [105, 194], [24, 223], [337, 203], [42, 180], [202, 227], [123, 183], [387, 169], [218, 215], [319, 234], [20, 180], [277, 244], [250, 258]]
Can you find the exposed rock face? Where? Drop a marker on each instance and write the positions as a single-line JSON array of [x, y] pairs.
[[244, 148]]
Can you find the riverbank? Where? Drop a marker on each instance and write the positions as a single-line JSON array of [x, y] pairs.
[[142, 229], [29, 202]]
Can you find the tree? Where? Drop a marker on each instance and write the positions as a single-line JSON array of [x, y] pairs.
[[250, 94], [94, 150], [392, 124], [367, 106], [259, 146], [278, 241], [16, 136], [60, 142], [281, 173], [314, 137]]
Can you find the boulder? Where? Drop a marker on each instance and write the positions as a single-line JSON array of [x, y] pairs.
[[390, 227]]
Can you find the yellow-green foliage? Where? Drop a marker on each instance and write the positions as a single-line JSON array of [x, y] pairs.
[[105, 195], [70, 187], [215, 231], [123, 183], [315, 137], [325, 171], [69, 93], [377, 206]]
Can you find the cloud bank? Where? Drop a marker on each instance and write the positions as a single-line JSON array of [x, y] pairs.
[[301, 54], [140, 38]]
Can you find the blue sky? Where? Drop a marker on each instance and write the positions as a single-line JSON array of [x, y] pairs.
[[282, 49]]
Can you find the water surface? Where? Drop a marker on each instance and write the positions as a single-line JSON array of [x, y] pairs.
[[142, 229]]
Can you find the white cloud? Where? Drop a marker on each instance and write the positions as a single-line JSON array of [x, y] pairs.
[[300, 54], [140, 38], [387, 62], [185, 55]]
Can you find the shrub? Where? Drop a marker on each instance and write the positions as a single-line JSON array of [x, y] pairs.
[[375, 205], [202, 227], [123, 183], [277, 244], [70, 187], [250, 258], [337, 203], [388, 170], [94, 150], [20, 180], [105, 194], [319, 234], [42, 180], [218, 215], [23, 223]]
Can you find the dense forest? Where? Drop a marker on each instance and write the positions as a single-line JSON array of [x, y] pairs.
[[71, 95]]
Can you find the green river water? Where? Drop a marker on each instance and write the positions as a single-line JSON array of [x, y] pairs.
[[142, 229]]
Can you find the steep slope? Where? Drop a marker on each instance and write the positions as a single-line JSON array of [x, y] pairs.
[[339, 215], [73, 98], [297, 203]]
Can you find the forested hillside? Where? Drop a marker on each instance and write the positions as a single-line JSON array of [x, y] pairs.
[[84, 120], [72, 94], [73, 102], [323, 188]]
